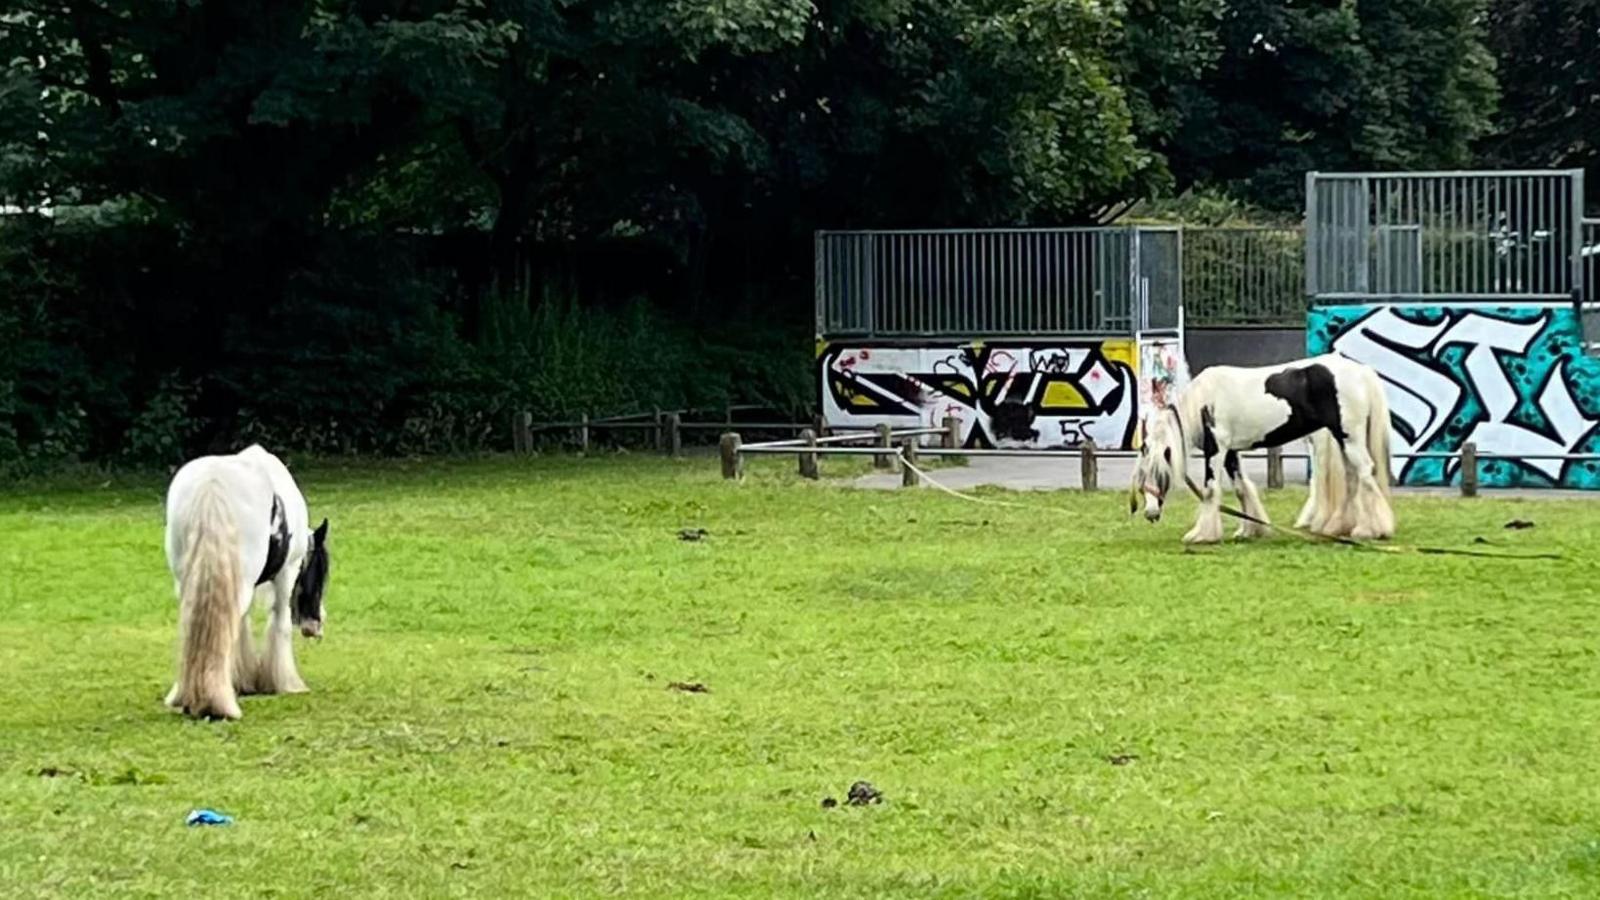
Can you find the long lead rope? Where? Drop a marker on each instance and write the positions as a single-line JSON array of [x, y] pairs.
[[1302, 533]]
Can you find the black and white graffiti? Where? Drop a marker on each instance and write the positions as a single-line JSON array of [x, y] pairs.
[[1003, 394]]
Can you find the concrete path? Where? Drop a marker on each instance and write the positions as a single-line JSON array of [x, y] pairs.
[[1059, 472], [1063, 472]]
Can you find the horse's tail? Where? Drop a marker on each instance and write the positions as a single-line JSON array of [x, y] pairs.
[[1378, 425], [208, 611]]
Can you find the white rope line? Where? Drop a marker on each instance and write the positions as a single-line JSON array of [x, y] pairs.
[[923, 474]]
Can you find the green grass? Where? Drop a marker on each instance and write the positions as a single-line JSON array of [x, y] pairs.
[[489, 712]]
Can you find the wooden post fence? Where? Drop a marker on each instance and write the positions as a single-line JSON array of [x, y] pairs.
[[522, 432], [1274, 468], [809, 467], [1090, 466], [732, 459], [908, 473], [674, 434], [1469, 469], [951, 437], [886, 459]]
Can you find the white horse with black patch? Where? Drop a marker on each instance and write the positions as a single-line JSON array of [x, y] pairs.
[[234, 524], [1334, 401]]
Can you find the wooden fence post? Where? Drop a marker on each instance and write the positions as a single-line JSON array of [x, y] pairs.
[[1274, 468], [908, 472], [1091, 467], [886, 459], [808, 461], [583, 435], [522, 432], [657, 439], [951, 438], [1469, 469], [674, 434], [732, 459]]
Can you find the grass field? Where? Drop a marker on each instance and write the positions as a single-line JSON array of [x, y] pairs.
[[1053, 701]]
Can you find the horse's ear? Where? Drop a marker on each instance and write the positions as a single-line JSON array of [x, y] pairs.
[[321, 534]]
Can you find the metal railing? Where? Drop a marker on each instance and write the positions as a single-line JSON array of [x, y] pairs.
[[1244, 276], [996, 282], [1453, 235]]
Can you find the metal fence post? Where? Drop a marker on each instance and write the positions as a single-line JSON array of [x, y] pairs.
[[1274, 468], [732, 459], [1469, 469], [908, 472], [808, 461]]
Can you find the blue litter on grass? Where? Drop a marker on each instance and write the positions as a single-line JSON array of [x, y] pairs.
[[207, 817]]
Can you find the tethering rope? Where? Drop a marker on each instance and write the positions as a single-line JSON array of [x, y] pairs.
[[1302, 533]]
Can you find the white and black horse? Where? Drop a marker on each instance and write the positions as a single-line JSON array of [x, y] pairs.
[[1334, 401], [234, 524]]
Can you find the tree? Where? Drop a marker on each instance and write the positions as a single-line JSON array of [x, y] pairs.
[[1550, 105], [1310, 84]]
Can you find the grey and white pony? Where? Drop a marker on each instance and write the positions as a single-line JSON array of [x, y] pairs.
[[1335, 402], [234, 524]]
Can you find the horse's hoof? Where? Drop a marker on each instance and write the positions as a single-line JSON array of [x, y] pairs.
[[217, 712]]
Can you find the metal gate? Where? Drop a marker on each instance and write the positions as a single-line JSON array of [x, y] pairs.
[[1461, 236]]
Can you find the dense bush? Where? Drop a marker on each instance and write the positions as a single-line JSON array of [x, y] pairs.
[[361, 356]]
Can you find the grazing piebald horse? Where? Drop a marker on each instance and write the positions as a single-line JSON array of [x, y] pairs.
[[235, 523], [1334, 401]]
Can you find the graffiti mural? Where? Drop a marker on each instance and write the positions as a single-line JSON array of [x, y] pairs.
[[1004, 394], [1512, 379], [1163, 372]]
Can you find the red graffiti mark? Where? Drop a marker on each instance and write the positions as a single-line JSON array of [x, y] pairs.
[[1094, 375], [847, 362], [995, 362], [866, 355]]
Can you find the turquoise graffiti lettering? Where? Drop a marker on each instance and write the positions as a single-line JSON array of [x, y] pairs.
[[1514, 380]]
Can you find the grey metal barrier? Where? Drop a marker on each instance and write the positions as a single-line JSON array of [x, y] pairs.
[[1452, 235], [995, 282]]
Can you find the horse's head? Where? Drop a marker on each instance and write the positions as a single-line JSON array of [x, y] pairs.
[[1153, 471], [306, 610]]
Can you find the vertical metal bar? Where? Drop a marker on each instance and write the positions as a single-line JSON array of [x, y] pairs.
[[1311, 230], [819, 279], [1546, 218], [1013, 297], [1575, 243]]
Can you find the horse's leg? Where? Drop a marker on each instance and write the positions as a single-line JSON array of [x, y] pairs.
[[1312, 508], [277, 672], [244, 657], [1249, 499], [171, 700], [1371, 516], [1208, 526]]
